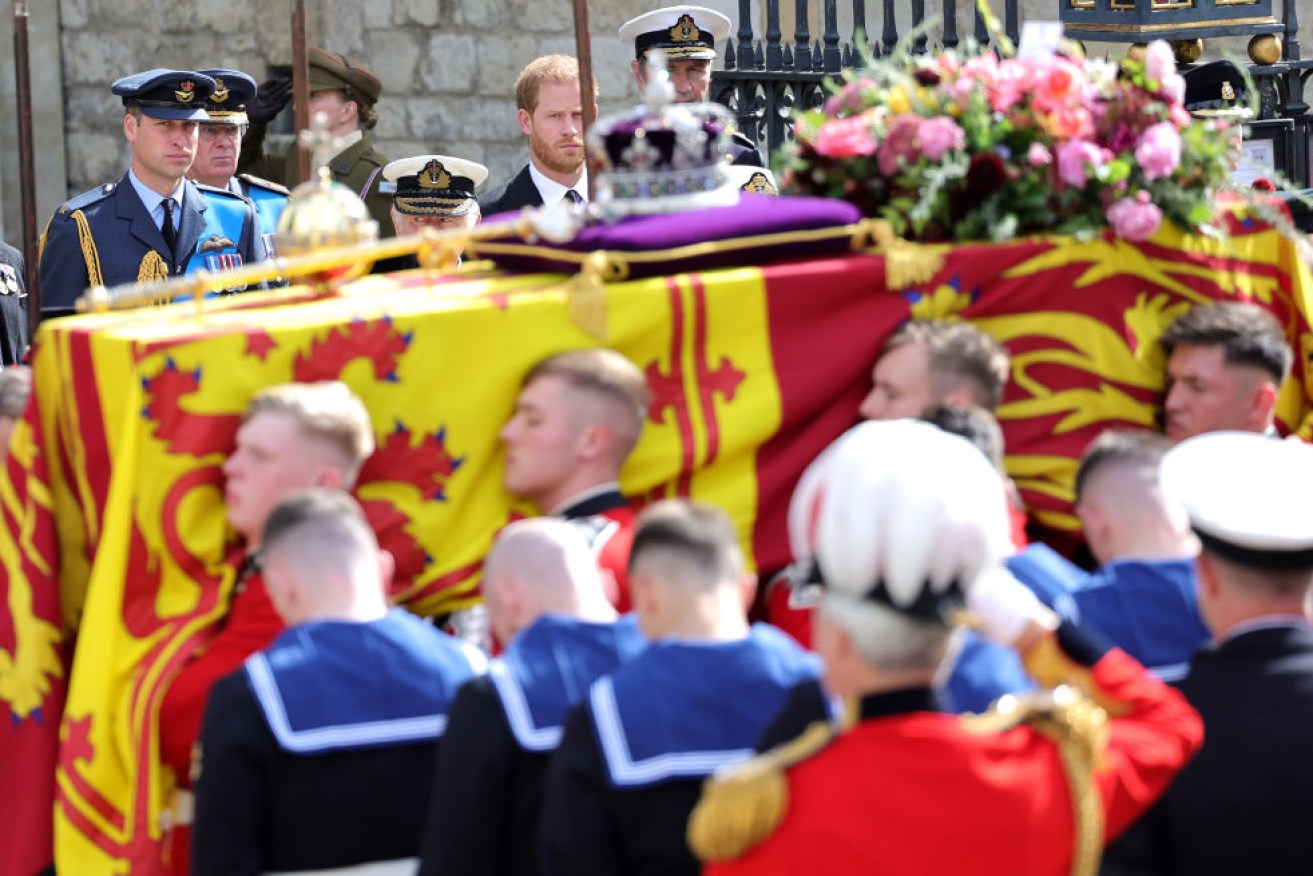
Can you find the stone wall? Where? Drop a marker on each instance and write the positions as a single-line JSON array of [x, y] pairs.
[[448, 67]]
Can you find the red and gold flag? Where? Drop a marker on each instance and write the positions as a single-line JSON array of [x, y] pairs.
[[753, 371]]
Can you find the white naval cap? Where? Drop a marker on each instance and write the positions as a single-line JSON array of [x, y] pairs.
[[682, 32], [1247, 496], [439, 185], [902, 514]]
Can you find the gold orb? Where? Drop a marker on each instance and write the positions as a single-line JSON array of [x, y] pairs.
[[1265, 49], [321, 214], [1187, 51]]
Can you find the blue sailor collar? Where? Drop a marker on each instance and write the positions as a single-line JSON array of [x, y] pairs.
[[336, 685], [684, 709], [549, 667]]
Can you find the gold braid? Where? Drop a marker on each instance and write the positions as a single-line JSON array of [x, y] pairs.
[[152, 268], [89, 254]]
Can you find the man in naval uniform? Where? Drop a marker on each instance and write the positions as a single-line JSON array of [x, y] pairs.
[[293, 436], [1243, 804], [908, 525], [317, 755], [687, 36], [153, 223], [220, 145], [1142, 597], [345, 92], [636, 750], [430, 191], [545, 601], [577, 418]]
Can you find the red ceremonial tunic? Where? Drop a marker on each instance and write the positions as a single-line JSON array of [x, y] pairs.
[[607, 521], [931, 797], [250, 626]]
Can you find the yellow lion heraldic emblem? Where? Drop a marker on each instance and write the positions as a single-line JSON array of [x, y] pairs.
[[27, 671]]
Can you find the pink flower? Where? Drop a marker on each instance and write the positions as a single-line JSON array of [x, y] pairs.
[[1159, 60], [845, 138], [1076, 158], [1039, 155], [1134, 219], [1159, 151], [940, 135], [1070, 121], [899, 146]]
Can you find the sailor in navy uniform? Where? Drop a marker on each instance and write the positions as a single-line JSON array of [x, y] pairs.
[[687, 36], [13, 306], [1243, 804], [221, 146], [634, 753], [545, 600], [153, 223], [318, 753]]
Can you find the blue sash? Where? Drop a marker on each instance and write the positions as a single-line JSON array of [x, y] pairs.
[[336, 685], [549, 667], [1148, 608], [269, 206], [683, 709], [219, 246]]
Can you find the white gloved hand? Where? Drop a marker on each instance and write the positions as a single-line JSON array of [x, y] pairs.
[[1009, 613]]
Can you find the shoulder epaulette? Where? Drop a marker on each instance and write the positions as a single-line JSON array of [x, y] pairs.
[[264, 184], [744, 805], [87, 198], [211, 191]]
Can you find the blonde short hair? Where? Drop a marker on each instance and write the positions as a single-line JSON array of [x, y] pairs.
[[328, 410]]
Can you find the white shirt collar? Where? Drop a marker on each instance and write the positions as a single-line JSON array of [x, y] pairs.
[[551, 190], [349, 140], [1266, 622], [152, 199]]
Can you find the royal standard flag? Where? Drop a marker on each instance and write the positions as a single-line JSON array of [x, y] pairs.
[[114, 526]]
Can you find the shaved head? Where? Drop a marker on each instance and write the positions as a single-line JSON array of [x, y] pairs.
[[542, 566]]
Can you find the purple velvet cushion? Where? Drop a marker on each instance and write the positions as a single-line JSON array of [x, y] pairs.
[[753, 215]]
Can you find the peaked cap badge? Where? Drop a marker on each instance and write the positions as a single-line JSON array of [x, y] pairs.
[[685, 30], [221, 91], [186, 91], [434, 176]]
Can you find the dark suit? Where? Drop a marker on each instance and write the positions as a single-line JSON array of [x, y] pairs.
[[1245, 803], [122, 237], [13, 305], [512, 196]]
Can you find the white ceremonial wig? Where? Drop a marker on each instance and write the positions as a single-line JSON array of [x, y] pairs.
[[902, 514]]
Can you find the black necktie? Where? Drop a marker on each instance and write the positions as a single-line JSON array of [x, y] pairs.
[[166, 228], [573, 197]]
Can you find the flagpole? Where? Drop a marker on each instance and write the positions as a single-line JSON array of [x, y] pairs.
[[583, 47], [300, 88], [27, 166]]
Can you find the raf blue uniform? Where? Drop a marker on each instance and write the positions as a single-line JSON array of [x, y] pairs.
[[269, 199], [107, 236]]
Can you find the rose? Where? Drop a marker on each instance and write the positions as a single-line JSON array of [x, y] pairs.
[[1076, 158], [1159, 60], [939, 136], [985, 175], [1039, 155], [845, 138], [899, 146], [1159, 150], [1134, 219]]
